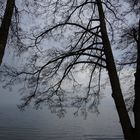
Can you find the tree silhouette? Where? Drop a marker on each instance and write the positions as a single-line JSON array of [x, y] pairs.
[[83, 44], [131, 38], [5, 25]]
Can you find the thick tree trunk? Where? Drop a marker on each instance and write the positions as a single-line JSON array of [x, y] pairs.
[[114, 80], [5, 25], [136, 108]]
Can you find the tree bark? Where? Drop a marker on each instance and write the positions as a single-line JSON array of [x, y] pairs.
[[114, 80], [136, 107], [5, 25]]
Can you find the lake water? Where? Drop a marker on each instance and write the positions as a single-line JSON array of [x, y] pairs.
[[43, 125]]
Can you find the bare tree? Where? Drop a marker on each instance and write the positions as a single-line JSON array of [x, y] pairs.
[[5, 25], [130, 41], [80, 28], [11, 30], [136, 107]]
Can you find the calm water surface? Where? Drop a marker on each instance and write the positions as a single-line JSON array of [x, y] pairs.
[[42, 125]]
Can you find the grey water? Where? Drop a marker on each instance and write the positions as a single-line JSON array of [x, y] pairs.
[[41, 124]]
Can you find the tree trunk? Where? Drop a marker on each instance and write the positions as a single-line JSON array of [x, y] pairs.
[[5, 25], [136, 107], [114, 80]]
